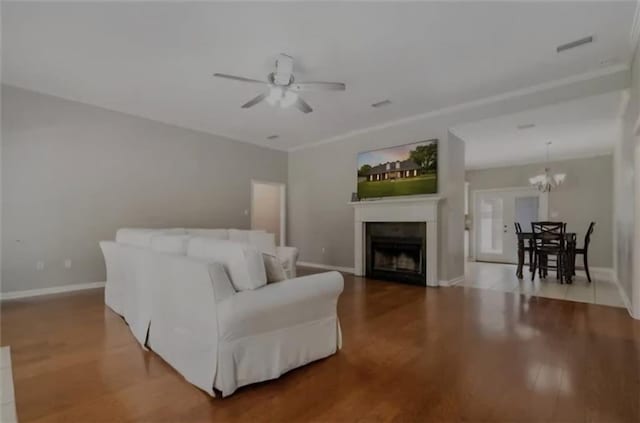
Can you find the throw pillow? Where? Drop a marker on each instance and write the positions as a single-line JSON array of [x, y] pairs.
[[273, 268]]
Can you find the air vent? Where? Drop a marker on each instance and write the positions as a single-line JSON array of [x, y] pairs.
[[273, 137], [574, 44], [526, 126], [381, 103]]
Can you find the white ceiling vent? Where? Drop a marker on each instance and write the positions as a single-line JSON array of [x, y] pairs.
[[273, 137], [574, 44], [381, 103], [526, 126]]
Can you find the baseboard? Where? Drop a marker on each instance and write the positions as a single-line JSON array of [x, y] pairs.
[[603, 273], [452, 282], [48, 291], [326, 267], [625, 298]]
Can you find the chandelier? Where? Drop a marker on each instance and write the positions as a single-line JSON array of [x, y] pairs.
[[547, 181]]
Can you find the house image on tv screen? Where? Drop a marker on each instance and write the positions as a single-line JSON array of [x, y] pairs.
[[393, 170], [409, 169]]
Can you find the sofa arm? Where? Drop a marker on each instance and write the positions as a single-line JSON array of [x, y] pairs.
[[288, 256], [184, 327], [280, 305], [114, 290]]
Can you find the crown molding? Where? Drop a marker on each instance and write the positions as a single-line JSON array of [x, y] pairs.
[[143, 117], [610, 70], [557, 158]]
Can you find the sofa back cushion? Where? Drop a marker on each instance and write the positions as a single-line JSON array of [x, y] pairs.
[[242, 235], [210, 233], [170, 244], [141, 237], [263, 241], [243, 263], [136, 237]]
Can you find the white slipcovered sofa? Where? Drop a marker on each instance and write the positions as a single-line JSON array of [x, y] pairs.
[[203, 304], [118, 268]]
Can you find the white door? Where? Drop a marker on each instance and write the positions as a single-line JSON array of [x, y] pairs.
[[268, 208], [495, 214]]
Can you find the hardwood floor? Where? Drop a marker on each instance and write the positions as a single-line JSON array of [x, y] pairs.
[[410, 354]]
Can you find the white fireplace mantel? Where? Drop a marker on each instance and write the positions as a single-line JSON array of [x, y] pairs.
[[408, 209]]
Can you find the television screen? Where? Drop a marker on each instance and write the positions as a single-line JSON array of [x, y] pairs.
[[409, 169]]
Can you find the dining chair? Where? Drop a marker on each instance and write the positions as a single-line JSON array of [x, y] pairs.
[[549, 249], [528, 247], [585, 250]]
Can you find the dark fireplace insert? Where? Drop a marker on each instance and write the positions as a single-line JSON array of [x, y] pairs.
[[396, 251]]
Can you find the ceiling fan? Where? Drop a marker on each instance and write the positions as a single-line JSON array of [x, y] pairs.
[[283, 88]]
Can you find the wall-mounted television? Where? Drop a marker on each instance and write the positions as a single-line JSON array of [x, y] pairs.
[[409, 169]]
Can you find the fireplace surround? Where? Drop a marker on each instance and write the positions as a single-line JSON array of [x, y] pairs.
[[413, 209]]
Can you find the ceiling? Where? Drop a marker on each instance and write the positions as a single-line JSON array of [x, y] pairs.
[[584, 127], [155, 60]]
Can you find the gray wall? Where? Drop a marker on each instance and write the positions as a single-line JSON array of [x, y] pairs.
[[586, 195], [322, 178], [455, 208], [626, 212], [73, 173]]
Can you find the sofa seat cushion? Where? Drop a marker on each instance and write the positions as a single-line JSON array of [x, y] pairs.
[[243, 263]]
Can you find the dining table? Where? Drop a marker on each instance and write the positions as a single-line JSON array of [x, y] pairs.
[[570, 246]]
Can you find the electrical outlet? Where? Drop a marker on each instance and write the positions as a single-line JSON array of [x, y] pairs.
[[67, 264], [40, 265], [246, 212], [323, 250]]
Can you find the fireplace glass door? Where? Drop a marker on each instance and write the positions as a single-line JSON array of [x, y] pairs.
[[396, 251]]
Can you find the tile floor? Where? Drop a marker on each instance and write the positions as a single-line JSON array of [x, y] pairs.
[[501, 277], [7, 398]]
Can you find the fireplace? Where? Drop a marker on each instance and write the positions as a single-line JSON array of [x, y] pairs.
[[396, 251]]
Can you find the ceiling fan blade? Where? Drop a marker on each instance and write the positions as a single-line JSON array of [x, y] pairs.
[[318, 86], [238, 78], [303, 106], [253, 101]]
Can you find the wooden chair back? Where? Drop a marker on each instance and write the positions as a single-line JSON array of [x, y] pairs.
[[587, 237], [548, 235], [518, 228]]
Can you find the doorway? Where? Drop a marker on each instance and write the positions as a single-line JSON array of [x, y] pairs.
[[268, 208], [495, 212]]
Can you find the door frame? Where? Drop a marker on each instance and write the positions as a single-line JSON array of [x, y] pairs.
[[283, 207], [543, 210]]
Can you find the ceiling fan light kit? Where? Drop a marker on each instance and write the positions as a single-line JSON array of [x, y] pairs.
[[283, 90], [284, 98]]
